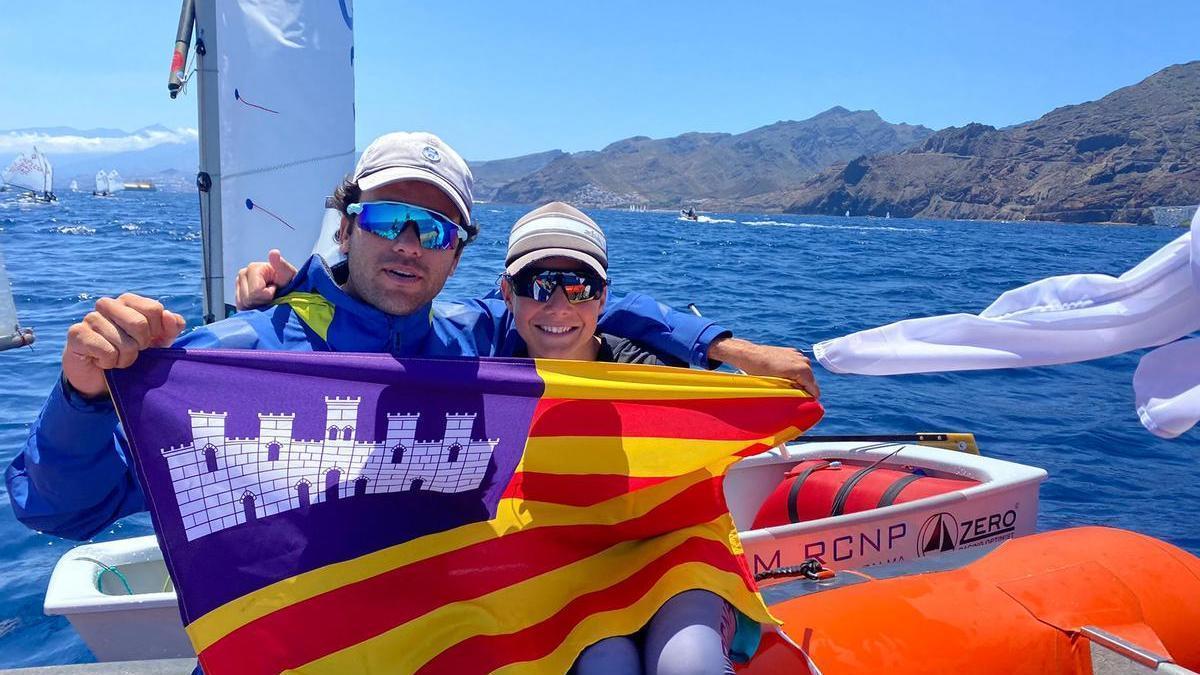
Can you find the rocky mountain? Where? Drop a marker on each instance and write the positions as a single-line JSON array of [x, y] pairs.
[[711, 170], [1106, 160], [492, 175]]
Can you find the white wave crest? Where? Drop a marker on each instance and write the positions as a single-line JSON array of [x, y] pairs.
[[705, 219], [823, 226], [73, 229]]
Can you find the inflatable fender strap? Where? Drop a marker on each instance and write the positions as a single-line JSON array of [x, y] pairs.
[[889, 495], [794, 492], [843, 493]]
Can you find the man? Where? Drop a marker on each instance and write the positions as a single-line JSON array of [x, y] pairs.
[[407, 218]]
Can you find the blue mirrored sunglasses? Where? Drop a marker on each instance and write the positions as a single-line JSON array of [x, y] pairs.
[[435, 231], [541, 284]]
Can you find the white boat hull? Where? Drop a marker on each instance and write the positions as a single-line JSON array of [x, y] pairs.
[[1004, 504], [115, 625]]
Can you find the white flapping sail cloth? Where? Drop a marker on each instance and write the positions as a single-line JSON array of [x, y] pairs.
[[47, 172], [27, 172], [1196, 250], [1166, 388], [1057, 320], [284, 105]]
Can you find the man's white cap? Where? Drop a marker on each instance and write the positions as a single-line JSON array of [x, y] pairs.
[[556, 229], [417, 155]]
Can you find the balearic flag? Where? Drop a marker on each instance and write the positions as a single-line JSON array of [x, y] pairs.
[[333, 513]]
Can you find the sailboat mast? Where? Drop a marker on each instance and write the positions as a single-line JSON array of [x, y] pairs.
[[183, 38], [275, 96], [202, 16]]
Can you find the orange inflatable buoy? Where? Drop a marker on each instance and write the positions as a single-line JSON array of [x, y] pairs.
[[1014, 608]]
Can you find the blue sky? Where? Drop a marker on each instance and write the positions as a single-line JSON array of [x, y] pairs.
[[498, 79]]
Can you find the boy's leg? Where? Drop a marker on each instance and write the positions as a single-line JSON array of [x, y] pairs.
[[616, 655], [690, 635]]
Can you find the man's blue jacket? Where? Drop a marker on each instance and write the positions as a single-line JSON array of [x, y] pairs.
[[73, 478]]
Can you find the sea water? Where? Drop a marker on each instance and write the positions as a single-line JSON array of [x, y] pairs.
[[786, 280]]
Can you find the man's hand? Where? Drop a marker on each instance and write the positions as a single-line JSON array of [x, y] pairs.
[[756, 359], [112, 336], [258, 282]]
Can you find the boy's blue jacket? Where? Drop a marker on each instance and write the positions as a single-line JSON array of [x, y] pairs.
[[73, 478]]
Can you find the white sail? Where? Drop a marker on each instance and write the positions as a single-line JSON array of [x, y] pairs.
[[101, 183], [74, 185], [47, 172], [276, 125], [10, 171], [11, 333], [115, 182], [26, 172]]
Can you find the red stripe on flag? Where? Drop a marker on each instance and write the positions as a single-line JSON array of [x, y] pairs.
[[709, 419], [757, 448], [359, 611], [574, 490], [485, 653]]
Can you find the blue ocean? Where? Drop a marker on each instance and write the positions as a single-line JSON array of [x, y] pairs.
[[788, 280]]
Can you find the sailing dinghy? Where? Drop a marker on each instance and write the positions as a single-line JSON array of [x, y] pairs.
[[101, 189], [12, 334], [115, 182], [32, 173]]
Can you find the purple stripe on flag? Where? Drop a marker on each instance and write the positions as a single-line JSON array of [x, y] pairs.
[[262, 465]]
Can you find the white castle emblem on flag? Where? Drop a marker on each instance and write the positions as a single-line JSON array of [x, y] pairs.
[[221, 482]]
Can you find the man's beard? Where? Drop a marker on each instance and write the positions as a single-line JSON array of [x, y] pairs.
[[364, 284]]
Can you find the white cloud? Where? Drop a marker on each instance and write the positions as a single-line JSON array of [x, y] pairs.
[[69, 144]]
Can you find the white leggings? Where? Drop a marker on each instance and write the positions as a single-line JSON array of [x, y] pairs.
[[689, 635]]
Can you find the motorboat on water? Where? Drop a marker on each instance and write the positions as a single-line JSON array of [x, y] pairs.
[[688, 214], [847, 538]]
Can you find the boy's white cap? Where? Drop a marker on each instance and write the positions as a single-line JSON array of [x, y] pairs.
[[556, 229]]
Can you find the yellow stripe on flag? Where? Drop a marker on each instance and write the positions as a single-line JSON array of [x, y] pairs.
[[631, 619], [511, 515], [509, 610], [594, 380], [632, 456]]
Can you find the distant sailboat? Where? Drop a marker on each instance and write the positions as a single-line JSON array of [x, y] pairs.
[[101, 189], [33, 173], [889, 215], [115, 183], [74, 185], [12, 335], [847, 213]]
